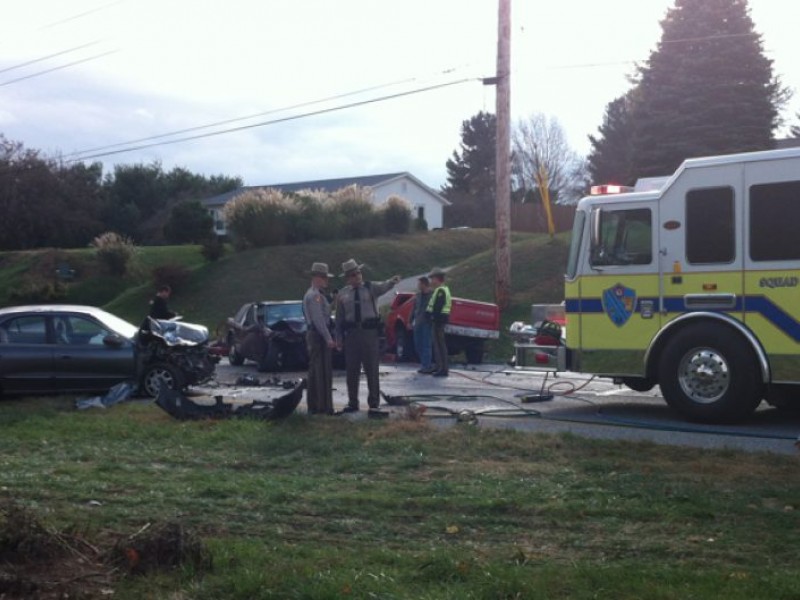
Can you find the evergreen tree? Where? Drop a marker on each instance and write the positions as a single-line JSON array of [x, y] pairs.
[[610, 160], [471, 174], [473, 169], [795, 130], [707, 89]]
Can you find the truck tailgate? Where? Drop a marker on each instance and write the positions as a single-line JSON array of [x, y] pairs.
[[474, 319]]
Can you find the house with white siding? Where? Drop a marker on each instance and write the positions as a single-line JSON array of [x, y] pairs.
[[425, 202]]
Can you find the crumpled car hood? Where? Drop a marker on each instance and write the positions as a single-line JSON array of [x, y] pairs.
[[178, 333]]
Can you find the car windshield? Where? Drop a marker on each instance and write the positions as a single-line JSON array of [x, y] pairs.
[[280, 312]]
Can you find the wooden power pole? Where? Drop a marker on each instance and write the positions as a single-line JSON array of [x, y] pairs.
[[502, 290]]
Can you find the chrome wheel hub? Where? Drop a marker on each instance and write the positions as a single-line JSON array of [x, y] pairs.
[[704, 375]]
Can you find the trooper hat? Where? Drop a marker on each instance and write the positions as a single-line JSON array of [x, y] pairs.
[[349, 266], [437, 272], [319, 269]]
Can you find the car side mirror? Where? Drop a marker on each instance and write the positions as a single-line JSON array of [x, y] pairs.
[[113, 341]]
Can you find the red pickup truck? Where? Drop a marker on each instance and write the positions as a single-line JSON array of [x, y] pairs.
[[471, 324]]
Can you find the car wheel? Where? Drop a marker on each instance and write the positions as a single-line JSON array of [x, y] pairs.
[[271, 361], [161, 374], [236, 359], [708, 373], [404, 347], [474, 352]]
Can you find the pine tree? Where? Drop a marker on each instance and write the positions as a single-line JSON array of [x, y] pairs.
[[471, 174], [708, 88], [610, 160], [795, 130]]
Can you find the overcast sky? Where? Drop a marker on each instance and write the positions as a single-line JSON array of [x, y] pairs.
[[152, 67]]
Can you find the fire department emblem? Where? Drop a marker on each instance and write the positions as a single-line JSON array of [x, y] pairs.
[[619, 302]]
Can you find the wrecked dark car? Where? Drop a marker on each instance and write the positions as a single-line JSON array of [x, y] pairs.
[[271, 334], [71, 349], [174, 354]]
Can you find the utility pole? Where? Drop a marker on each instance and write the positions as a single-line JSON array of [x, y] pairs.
[[502, 213]]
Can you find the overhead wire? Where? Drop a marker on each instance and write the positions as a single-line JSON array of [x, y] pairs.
[[58, 68], [79, 15], [48, 57], [243, 118], [276, 121]]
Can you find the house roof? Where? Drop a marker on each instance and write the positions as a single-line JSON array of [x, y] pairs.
[[327, 185]]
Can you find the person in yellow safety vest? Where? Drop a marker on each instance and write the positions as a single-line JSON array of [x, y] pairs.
[[438, 312]]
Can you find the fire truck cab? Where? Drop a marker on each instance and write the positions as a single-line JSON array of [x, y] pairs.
[[693, 285]]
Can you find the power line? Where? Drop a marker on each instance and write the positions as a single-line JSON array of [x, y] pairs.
[[49, 56], [244, 118], [79, 15], [281, 120], [59, 68]]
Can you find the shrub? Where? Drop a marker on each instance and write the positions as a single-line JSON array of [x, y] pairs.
[[259, 218], [115, 252], [170, 274], [36, 291], [354, 212], [212, 248], [420, 224], [188, 223], [311, 217], [396, 215]]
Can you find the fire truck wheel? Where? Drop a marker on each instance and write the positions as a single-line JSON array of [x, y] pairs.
[[639, 384], [708, 373], [160, 374]]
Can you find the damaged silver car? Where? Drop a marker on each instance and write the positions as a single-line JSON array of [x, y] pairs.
[[70, 349]]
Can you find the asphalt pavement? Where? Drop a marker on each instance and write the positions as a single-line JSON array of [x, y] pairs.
[[495, 396]]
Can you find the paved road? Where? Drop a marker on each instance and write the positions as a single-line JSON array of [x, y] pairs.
[[495, 397]]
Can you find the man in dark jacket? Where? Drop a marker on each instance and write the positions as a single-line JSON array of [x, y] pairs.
[[422, 325], [158, 306]]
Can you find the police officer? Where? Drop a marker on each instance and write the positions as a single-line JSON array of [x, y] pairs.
[[357, 325], [320, 342], [439, 313]]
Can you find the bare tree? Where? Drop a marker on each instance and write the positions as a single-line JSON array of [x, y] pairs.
[[541, 153]]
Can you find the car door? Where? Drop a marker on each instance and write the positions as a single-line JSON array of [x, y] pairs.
[[89, 356], [26, 355]]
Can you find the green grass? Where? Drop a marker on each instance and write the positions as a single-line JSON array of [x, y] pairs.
[[326, 508], [214, 291]]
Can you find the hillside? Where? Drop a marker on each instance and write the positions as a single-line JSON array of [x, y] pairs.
[[213, 291]]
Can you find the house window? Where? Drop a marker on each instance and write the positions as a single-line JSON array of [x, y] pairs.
[[420, 212]]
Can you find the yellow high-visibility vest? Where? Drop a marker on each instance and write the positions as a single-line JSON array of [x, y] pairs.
[[448, 300]]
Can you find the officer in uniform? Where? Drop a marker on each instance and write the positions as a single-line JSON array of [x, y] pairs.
[[357, 329], [439, 313], [320, 342]]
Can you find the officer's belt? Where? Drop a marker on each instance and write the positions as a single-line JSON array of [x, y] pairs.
[[365, 324]]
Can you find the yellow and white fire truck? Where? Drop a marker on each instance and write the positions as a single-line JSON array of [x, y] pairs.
[[693, 285]]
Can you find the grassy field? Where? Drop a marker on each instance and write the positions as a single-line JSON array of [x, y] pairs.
[[214, 291], [327, 508]]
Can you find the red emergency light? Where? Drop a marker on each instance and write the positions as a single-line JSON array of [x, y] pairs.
[[609, 188]]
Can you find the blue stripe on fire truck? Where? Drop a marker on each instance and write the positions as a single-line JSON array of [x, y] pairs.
[[749, 304]]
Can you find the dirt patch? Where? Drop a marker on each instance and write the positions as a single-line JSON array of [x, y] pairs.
[[39, 561]]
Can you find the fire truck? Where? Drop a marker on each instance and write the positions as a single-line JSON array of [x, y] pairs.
[[691, 282]]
